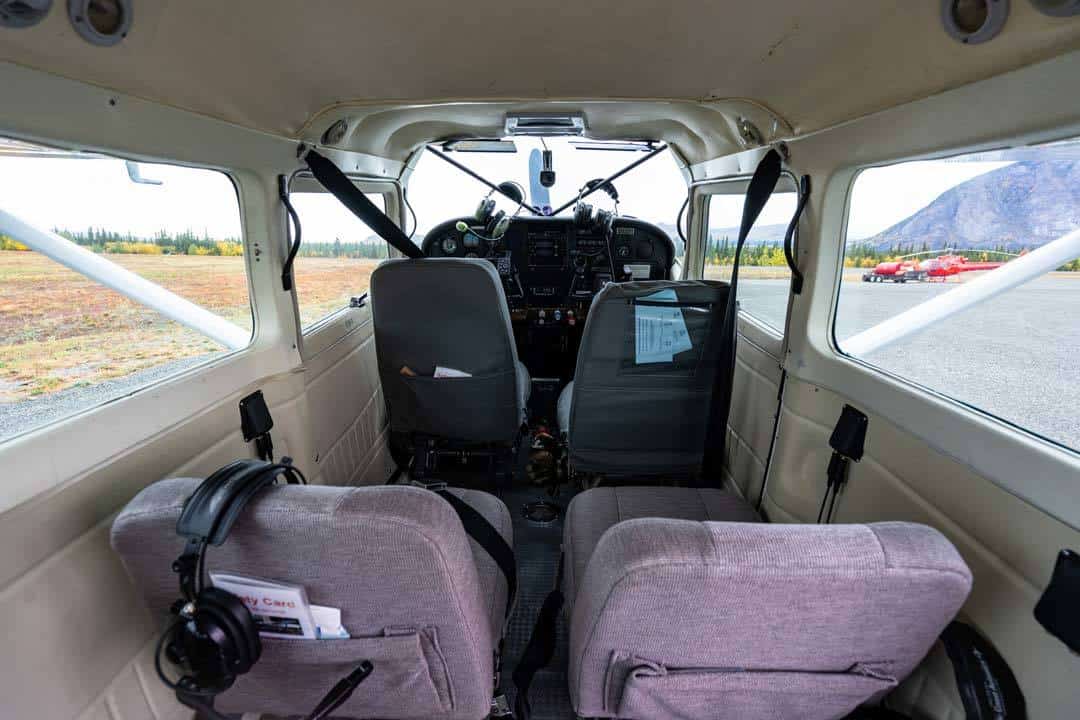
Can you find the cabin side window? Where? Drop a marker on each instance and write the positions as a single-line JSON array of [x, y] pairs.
[[764, 277], [114, 274], [962, 276], [337, 256]]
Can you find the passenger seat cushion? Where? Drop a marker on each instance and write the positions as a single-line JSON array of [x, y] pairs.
[[593, 512], [836, 612], [493, 587], [418, 599]]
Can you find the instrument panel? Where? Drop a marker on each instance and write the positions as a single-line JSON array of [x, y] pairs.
[[550, 262]]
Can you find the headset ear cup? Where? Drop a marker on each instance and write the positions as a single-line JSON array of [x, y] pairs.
[[582, 212], [602, 219], [484, 210], [229, 613], [493, 222]]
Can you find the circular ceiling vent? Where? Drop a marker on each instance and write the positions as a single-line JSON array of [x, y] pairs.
[[974, 21], [1057, 8], [101, 22], [23, 13]]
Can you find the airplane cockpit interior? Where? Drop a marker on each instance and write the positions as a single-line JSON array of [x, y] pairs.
[[627, 360]]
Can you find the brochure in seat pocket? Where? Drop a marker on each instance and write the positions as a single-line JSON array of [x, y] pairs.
[[279, 609]]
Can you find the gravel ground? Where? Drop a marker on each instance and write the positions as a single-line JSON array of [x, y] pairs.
[[1015, 356], [19, 417]]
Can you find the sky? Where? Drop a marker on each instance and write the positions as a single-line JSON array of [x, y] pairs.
[[881, 197], [653, 191], [77, 193]]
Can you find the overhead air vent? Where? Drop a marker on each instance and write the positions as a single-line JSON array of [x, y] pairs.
[[974, 21], [546, 124], [749, 134], [1057, 8], [101, 22], [335, 133], [23, 13]]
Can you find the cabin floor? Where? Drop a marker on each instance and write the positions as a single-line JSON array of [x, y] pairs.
[[537, 548]]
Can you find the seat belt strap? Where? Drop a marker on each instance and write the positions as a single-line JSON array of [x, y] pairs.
[[340, 186], [487, 537], [541, 647], [987, 685], [758, 193]]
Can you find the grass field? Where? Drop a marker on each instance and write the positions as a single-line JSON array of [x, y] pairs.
[[59, 329], [747, 272]]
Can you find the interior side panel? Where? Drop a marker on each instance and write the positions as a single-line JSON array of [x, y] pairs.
[[346, 411], [901, 478], [76, 623], [66, 597], [753, 407], [136, 694]]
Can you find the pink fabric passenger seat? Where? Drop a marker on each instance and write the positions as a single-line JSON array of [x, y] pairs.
[[681, 608], [421, 600]]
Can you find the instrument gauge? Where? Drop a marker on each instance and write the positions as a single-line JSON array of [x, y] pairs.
[[449, 245]]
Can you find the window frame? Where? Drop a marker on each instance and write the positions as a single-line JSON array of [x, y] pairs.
[[702, 192], [336, 324], [225, 357], [910, 383]]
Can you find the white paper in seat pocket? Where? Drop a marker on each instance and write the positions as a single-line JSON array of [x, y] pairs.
[[446, 372], [328, 623], [659, 332]]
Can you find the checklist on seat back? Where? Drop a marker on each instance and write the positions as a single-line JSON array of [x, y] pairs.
[[659, 332]]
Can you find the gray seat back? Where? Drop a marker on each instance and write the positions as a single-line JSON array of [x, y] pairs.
[[452, 313], [394, 559], [639, 412], [683, 619]]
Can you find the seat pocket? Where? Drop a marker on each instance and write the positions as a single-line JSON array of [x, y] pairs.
[[410, 679], [653, 690], [482, 408]]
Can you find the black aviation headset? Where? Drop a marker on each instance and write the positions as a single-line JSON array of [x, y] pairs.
[[214, 634]]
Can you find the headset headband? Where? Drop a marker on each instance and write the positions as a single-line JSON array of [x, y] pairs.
[[211, 511]]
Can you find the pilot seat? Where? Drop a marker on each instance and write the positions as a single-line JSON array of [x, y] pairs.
[[449, 369]]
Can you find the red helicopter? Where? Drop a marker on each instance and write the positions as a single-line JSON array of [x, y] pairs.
[[945, 264]]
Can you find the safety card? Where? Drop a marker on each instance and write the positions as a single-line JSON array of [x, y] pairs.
[[282, 610]]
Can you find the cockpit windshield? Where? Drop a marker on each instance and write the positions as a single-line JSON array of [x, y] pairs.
[[654, 191]]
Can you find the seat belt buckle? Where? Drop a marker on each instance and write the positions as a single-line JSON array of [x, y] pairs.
[[500, 707]]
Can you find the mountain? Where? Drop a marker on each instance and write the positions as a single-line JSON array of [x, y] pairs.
[[1026, 204], [759, 234]]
